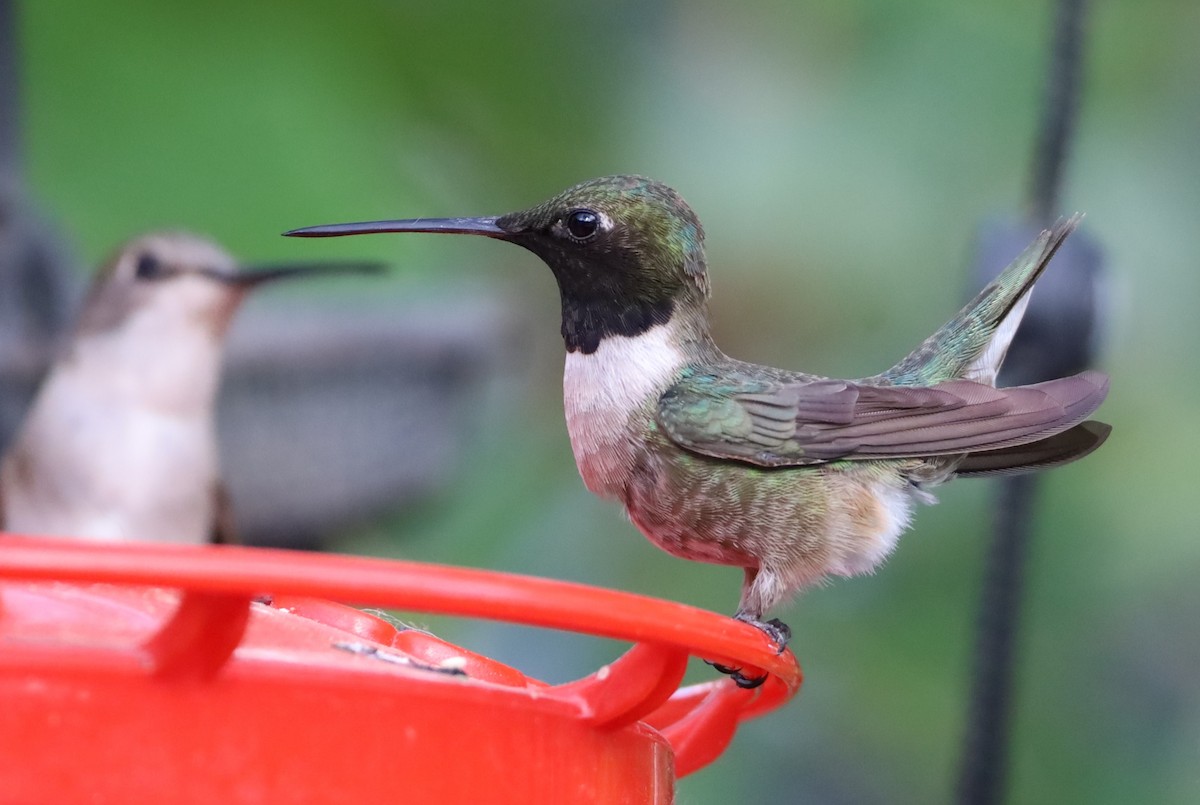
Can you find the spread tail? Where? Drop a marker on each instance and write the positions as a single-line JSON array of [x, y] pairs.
[[973, 344]]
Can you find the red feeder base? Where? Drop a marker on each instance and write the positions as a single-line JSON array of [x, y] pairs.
[[146, 673]]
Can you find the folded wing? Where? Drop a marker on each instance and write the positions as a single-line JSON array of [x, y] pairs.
[[775, 424]]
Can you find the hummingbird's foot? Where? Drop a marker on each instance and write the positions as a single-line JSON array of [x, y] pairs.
[[775, 629]]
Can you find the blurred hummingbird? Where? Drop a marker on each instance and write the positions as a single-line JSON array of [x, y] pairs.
[[791, 476], [120, 441]]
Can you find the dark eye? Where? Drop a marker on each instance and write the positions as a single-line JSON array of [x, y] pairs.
[[148, 268], [582, 224]]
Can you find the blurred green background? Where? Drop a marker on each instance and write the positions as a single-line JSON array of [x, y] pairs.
[[841, 156]]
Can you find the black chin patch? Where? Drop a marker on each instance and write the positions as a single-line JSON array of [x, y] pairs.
[[584, 326]]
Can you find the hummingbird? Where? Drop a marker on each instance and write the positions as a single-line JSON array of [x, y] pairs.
[[793, 477], [120, 440]]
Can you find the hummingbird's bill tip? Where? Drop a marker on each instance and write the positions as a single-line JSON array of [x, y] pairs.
[[253, 276], [324, 231]]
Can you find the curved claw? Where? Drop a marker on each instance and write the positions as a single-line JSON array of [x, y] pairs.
[[723, 669], [739, 679], [747, 683]]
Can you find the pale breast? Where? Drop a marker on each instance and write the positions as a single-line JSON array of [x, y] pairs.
[[96, 469], [608, 397]]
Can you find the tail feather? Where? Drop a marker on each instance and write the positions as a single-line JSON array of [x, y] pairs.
[[973, 344], [1061, 448]]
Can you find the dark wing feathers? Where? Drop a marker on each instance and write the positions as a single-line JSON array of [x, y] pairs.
[[1061, 448], [774, 424]]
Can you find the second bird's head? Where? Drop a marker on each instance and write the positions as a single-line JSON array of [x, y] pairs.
[[167, 282]]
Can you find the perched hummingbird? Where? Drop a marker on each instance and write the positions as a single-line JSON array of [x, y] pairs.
[[791, 476], [120, 441]]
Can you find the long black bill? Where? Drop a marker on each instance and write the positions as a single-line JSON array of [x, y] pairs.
[[450, 226], [253, 276]]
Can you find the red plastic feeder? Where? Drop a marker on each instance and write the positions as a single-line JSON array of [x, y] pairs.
[[161, 673]]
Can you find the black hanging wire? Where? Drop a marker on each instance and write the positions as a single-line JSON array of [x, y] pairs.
[[9, 125], [1060, 109], [983, 768]]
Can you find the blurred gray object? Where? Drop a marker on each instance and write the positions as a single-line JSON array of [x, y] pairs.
[[38, 288], [330, 416]]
